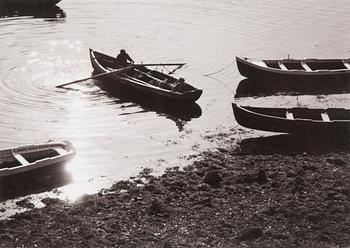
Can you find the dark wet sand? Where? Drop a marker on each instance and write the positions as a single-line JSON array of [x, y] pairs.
[[278, 191]]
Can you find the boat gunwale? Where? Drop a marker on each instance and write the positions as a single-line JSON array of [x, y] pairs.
[[290, 71], [244, 108]]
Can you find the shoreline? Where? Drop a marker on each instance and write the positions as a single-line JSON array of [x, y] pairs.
[[275, 191]]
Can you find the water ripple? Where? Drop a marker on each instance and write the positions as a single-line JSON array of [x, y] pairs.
[[115, 136]]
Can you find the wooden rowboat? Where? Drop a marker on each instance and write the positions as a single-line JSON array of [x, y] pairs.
[[34, 158], [294, 120], [49, 13], [143, 82], [294, 71], [28, 3]]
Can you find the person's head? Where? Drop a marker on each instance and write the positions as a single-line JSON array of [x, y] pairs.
[[122, 51], [181, 80]]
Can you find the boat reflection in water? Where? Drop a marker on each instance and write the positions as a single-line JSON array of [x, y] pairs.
[[180, 114], [253, 88], [49, 13], [18, 186]]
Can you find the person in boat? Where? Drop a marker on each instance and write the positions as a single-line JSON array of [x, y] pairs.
[[123, 59], [165, 84], [180, 85]]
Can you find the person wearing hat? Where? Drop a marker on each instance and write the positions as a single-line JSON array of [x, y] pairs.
[[180, 85], [123, 59]]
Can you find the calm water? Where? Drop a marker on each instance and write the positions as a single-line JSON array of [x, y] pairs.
[[115, 138]]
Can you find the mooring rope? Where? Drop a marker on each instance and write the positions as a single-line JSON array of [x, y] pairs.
[[222, 83], [220, 69]]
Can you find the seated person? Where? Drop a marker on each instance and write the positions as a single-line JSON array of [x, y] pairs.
[[180, 85], [154, 82], [123, 59], [161, 84]]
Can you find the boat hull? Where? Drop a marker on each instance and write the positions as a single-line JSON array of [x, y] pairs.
[[272, 120], [28, 3], [136, 88]]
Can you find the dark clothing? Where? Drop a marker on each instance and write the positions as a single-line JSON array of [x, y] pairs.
[[123, 58]]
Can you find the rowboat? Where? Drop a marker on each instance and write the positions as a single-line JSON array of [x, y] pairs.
[[142, 82], [28, 3], [49, 13], [294, 71], [293, 120], [34, 158]]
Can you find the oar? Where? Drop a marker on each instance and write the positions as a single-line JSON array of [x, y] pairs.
[[95, 76], [173, 71], [165, 64]]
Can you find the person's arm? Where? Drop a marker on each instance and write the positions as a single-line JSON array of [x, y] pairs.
[[130, 59]]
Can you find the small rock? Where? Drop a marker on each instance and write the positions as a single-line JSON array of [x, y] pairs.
[[213, 179], [314, 217], [152, 188], [223, 150], [156, 207], [51, 201], [336, 161], [261, 178], [25, 203], [298, 184], [250, 234]]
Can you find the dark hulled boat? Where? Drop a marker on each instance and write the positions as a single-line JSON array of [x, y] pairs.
[[28, 3], [318, 72], [142, 82], [294, 120], [49, 13]]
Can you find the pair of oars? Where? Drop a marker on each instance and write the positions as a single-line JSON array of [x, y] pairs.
[[116, 71]]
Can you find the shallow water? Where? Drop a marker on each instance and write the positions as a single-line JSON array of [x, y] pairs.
[[115, 138]]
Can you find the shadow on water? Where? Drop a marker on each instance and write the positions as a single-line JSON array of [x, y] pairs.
[[18, 186], [54, 13], [251, 88], [293, 144], [180, 114]]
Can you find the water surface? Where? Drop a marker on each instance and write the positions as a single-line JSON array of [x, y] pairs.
[[114, 137]]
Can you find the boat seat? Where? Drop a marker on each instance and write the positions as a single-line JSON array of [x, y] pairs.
[[260, 63], [289, 115], [306, 67], [346, 64], [21, 159], [325, 117], [60, 150], [282, 66]]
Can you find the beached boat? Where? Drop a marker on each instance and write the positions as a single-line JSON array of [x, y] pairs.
[[294, 120], [34, 158], [294, 71], [143, 82], [28, 3]]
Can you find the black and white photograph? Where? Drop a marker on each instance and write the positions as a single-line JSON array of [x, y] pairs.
[[169, 124]]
